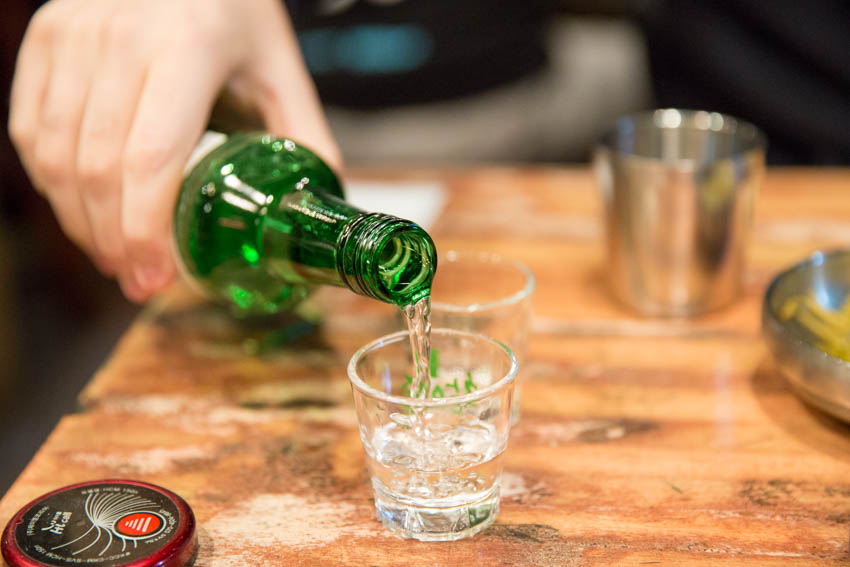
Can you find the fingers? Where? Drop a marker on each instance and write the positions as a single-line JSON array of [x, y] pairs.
[[110, 97], [72, 64], [171, 115], [29, 85], [105, 125]]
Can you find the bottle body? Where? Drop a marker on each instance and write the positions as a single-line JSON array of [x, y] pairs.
[[261, 220]]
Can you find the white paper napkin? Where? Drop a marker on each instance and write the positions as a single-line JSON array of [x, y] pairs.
[[418, 201]]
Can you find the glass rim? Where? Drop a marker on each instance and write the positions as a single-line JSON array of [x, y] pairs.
[[660, 119], [392, 338], [491, 258]]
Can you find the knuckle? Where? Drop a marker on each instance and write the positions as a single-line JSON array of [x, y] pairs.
[[51, 162], [44, 23], [95, 171], [142, 158], [57, 121], [21, 133]]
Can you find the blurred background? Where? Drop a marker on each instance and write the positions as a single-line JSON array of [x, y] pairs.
[[440, 82]]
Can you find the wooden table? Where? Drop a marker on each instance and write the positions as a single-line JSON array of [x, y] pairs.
[[641, 441]]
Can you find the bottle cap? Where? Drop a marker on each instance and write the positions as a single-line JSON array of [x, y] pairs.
[[108, 523]]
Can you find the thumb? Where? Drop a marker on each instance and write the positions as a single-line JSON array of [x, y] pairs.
[[277, 83]]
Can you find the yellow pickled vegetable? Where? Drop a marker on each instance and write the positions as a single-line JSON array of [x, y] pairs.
[[830, 327]]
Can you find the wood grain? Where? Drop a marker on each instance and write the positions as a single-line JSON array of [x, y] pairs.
[[641, 442]]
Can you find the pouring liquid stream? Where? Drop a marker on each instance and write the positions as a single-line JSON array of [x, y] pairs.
[[418, 317]]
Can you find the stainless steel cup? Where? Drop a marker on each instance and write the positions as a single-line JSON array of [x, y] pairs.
[[679, 189]]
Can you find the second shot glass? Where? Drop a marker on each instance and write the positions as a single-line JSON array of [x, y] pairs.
[[483, 292]]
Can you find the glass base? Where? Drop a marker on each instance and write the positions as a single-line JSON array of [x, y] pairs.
[[429, 523]]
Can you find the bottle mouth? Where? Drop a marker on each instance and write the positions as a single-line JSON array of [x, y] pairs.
[[387, 258]]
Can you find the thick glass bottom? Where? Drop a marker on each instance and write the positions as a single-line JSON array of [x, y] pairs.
[[431, 523]]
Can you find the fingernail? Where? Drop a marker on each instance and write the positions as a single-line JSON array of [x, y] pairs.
[[151, 278], [148, 276]]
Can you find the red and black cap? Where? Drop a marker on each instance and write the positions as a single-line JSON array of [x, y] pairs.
[[108, 523]]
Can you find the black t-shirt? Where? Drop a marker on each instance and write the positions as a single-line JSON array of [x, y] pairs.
[[782, 64], [378, 53]]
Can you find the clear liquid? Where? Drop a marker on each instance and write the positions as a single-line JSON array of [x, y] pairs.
[[435, 473], [440, 483], [418, 317]]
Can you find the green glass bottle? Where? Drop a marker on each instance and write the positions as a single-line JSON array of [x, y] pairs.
[[261, 220]]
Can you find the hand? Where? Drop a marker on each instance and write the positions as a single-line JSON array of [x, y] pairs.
[[110, 96]]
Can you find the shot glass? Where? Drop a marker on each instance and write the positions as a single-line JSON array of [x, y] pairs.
[[435, 462], [485, 293], [679, 189]]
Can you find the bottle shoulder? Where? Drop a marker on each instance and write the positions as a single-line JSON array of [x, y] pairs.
[[238, 212], [267, 163]]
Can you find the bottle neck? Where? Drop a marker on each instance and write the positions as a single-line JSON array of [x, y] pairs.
[[386, 258]]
